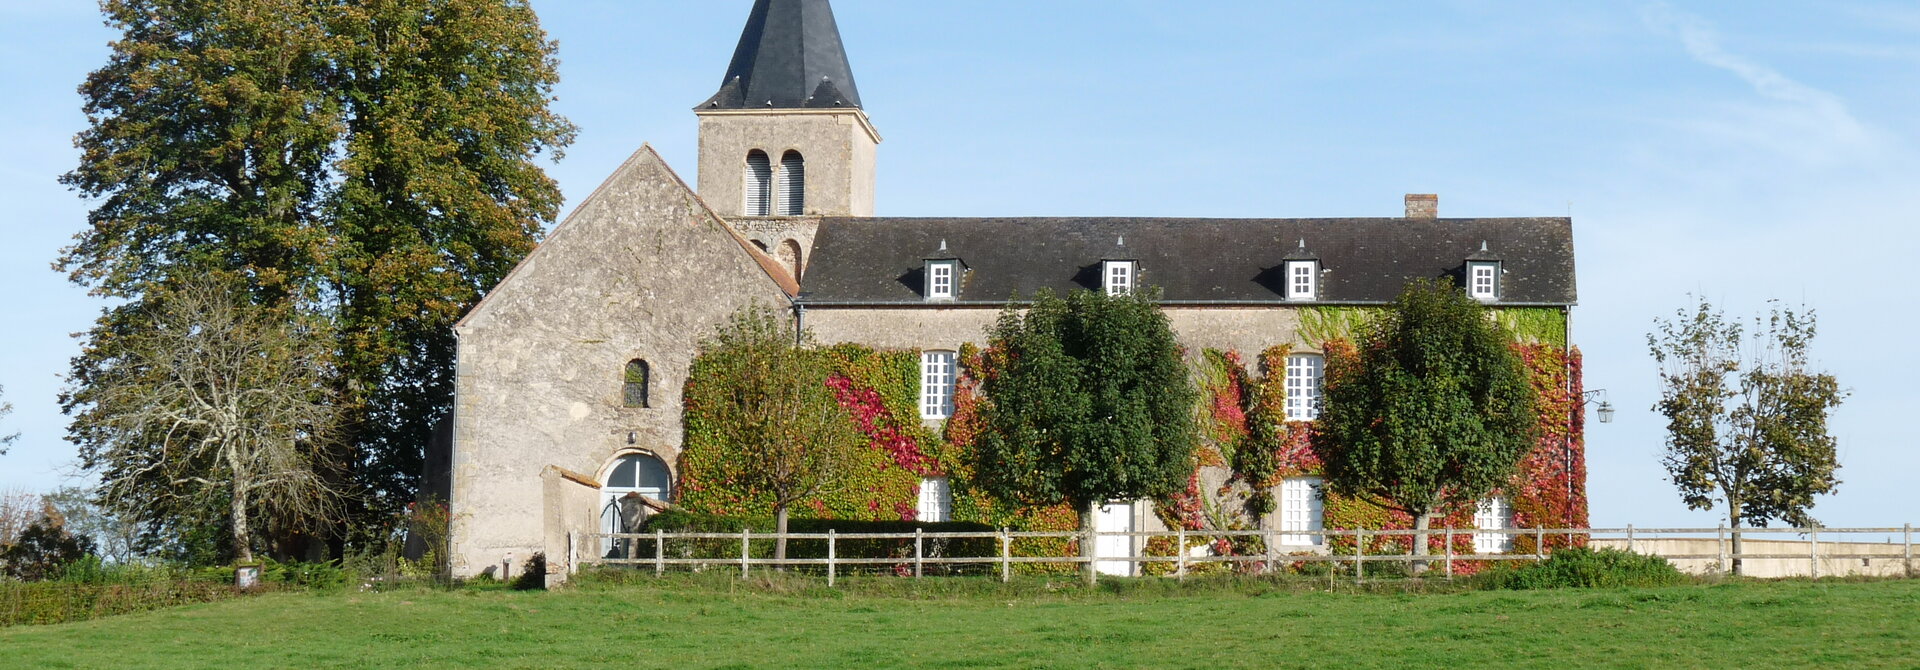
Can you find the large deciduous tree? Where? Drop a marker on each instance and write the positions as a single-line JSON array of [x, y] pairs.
[[1430, 411], [1088, 402], [220, 404], [1746, 414], [371, 161], [772, 403], [5, 409]]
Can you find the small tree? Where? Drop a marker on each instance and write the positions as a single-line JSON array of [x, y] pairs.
[[217, 404], [1086, 401], [1746, 414], [43, 550], [1432, 410], [779, 410]]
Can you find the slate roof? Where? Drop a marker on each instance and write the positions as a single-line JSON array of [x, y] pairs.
[[880, 261], [790, 57]]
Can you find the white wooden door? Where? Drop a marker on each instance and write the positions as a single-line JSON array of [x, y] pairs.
[[1114, 518]]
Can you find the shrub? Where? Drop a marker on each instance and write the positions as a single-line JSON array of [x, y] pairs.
[[1582, 567]]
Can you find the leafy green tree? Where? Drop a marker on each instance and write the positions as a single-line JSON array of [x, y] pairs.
[[777, 407], [1746, 414], [1088, 401], [446, 108], [1431, 411], [43, 550], [369, 161]]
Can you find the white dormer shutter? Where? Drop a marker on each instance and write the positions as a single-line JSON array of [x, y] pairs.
[[793, 184], [759, 184], [1303, 280], [1118, 277]]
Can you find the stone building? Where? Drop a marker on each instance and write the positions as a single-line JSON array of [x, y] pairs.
[[570, 372]]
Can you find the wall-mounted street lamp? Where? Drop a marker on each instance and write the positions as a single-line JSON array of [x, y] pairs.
[[1605, 411]]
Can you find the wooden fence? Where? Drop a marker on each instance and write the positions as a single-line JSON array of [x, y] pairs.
[[629, 549]]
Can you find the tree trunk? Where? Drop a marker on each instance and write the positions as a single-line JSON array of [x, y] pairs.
[[1733, 521], [1089, 518], [780, 544], [1421, 524], [242, 547]]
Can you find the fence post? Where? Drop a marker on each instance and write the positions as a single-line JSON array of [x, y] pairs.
[[830, 556], [1539, 543], [1814, 561], [1909, 534], [1359, 551], [1273, 555], [1006, 556], [1720, 540], [1180, 569], [659, 553], [919, 552], [1630, 547], [1449, 551], [1090, 550], [744, 535]]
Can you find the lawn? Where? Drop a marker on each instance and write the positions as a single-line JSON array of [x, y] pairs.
[[710, 622]]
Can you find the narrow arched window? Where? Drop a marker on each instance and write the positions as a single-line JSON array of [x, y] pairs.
[[793, 184], [759, 184], [638, 382], [790, 256]]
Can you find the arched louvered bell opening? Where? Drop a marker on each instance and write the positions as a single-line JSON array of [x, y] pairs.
[[759, 184], [793, 184]]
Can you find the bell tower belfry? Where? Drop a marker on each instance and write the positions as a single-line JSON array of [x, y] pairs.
[[786, 135]]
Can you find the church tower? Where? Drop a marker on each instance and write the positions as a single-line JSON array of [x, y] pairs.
[[786, 135]]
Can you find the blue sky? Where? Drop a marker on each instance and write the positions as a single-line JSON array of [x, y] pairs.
[[1741, 151]]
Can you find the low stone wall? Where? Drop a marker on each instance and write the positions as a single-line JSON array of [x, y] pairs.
[[1893, 565]]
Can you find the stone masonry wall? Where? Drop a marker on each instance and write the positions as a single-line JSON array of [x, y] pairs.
[[640, 270]]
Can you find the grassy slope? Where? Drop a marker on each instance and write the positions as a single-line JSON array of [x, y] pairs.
[[701, 625]]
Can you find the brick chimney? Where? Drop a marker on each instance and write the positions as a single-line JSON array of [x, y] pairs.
[[1423, 206]]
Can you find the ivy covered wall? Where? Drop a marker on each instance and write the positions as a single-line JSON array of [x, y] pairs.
[[1247, 445]]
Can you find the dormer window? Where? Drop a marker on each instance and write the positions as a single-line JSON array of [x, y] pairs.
[[944, 272], [942, 277], [1119, 277], [1483, 281], [1303, 280], [1483, 275]]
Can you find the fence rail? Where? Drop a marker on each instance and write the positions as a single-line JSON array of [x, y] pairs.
[[630, 549]]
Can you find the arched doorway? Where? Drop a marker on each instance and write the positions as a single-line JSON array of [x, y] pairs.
[[634, 480]]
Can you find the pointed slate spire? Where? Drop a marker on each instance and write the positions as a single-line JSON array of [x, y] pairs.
[[790, 57]]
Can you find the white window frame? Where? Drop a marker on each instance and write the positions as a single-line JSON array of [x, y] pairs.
[[1118, 277], [1490, 289], [942, 280], [936, 500], [1303, 280], [937, 376], [1305, 375], [1493, 513], [1301, 512]]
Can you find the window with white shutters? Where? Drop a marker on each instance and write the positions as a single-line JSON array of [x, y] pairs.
[[936, 384], [759, 184], [1302, 280], [1119, 277], [1493, 514], [940, 280], [1303, 386], [936, 500], [793, 184], [1301, 511]]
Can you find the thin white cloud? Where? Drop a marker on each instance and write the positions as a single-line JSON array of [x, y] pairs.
[[1801, 120]]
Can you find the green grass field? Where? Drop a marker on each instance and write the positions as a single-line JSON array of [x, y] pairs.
[[713, 622]]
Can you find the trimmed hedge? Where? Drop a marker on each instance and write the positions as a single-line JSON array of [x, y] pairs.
[[681, 521]]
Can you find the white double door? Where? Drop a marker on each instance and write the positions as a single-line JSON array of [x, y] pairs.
[[1115, 517]]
